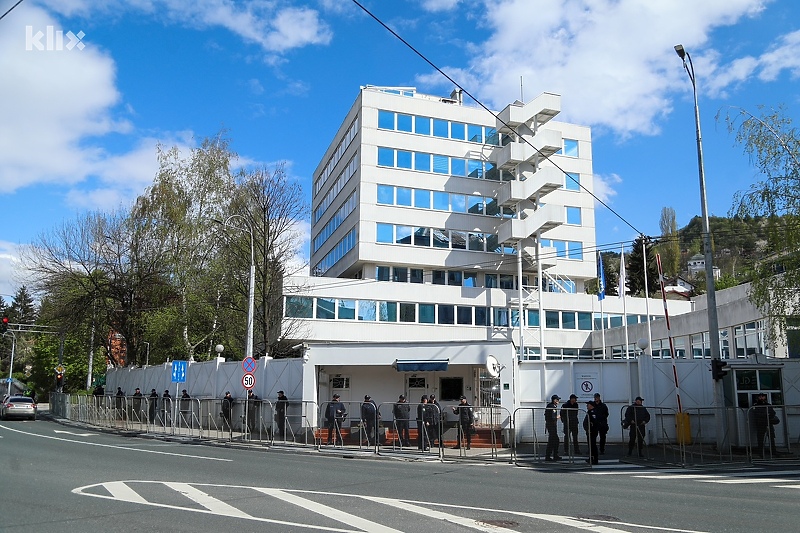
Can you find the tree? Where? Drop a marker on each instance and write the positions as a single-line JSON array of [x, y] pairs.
[[635, 267], [669, 245], [773, 145]]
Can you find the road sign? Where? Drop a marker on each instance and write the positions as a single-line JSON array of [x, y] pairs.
[[179, 371], [249, 365], [9, 380], [248, 381], [60, 369]]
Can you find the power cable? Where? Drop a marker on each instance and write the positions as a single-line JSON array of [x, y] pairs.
[[10, 9]]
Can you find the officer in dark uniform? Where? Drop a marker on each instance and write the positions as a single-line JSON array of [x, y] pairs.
[[601, 413], [334, 416], [569, 417], [280, 414], [764, 418], [423, 442], [636, 418], [402, 413], [551, 417], [592, 428], [466, 419], [436, 420], [369, 416]]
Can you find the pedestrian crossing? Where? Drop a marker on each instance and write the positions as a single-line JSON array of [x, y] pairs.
[[786, 479]]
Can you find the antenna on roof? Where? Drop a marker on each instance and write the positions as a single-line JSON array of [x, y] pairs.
[[521, 97]]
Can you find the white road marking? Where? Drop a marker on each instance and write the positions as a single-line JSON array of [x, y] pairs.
[[116, 447], [679, 476], [331, 512], [746, 481], [122, 491], [75, 434]]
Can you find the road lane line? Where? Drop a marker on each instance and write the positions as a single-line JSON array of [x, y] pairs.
[[121, 491], [331, 512], [209, 502], [680, 476], [747, 481], [127, 448]]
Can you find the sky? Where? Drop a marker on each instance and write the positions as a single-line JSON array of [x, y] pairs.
[[80, 117]]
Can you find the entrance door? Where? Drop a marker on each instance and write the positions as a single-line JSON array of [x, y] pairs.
[[416, 386]]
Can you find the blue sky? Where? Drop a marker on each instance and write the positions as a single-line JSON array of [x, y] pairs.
[[78, 127]]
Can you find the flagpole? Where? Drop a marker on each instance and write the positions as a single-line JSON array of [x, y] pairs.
[[601, 294], [621, 290]]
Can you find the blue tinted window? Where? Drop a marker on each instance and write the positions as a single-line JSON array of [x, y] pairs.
[[403, 122], [575, 250], [299, 306], [561, 248], [470, 279], [441, 128], [385, 120], [422, 125], [458, 167], [572, 181], [500, 318], [551, 319], [446, 314], [474, 168], [366, 310], [441, 164], [385, 194], [492, 137], [408, 312], [427, 313], [571, 147], [403, 235], [458, 131], [475, 133], [441, 239], [326, 308], [383, 273], [573, 215], [464, 315], [347, 309], [455, 278], [533, 318], [585, 321], [492, 207], [404, 196], [490, 281], [403, 159], [493, 243], [458, 203], [385, 157], [387, 311], [422, 198], [492, 173], [476, 241], [475, 205], [482, 316], [568, 319], [441, 201], [422, 162], [385, 233]]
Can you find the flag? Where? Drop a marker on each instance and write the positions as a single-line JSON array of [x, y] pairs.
[[623, 280], [601, 278]]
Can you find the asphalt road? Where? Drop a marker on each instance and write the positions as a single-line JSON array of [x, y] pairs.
[[58, 478]]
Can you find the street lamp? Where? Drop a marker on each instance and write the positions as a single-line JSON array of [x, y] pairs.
[[711, 295], [248, 351], [11, 365]]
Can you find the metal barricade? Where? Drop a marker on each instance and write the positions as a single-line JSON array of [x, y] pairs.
[[535, 438], [491, 431]]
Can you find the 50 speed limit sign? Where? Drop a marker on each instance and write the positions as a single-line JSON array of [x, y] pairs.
[[248, 381]]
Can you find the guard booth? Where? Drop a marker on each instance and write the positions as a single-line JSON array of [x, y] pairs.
[[742, 386]]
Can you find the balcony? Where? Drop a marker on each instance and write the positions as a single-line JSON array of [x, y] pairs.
[[543, 219], [545, 143], [541, 109], [543, 181]]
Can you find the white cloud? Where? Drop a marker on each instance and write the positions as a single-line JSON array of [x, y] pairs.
[[605, 187], [611, 60], [9, 262], [439, 5]]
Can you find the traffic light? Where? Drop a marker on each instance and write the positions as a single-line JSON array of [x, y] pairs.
[[4, 324], [59, 380], [718, 369]]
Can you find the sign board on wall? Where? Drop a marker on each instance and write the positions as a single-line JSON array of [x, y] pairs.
[[586, 384]]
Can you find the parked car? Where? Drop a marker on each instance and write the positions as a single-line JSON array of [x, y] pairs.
[[18, 407]]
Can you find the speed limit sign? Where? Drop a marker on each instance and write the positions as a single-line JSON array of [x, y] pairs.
[[248, 381]]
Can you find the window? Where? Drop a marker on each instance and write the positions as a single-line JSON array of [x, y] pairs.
[[385, 157], [474, 169], [382, 273], [416, 383], [551, 319], [427, 313], [441, 201], [464, 315], [404, 196], [422, 199], [385, 194], [482, 316], [475, 133], [570, 148], [439, 277], [299, 306], [506, 281], [422, 237], [408, 312], [475, 205], [458, 131], [339, 382], [492, 207], [387, 311], [400, 274], [492, 173], [490, 281], [568, 319], [584, 321], [454, 277], [533, 318], [326, 308], [470, 279], [458, 203], [446, 314], [493, 244], [441, 164], [347, 310], [366, 310], [417, 275], [403, 159], [422, 125], [440, 238], [422, 161], [385, 120], [403, 122], [385, 233], [451, 389], [441, 128], [575, 250], [458, 167], [476, 242], [572, 181], [500, 317], [458, 240], [574, 215], [402, 235]]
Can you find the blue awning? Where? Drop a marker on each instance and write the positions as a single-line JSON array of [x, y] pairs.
[[420, 366]]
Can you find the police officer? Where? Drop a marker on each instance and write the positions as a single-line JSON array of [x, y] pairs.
[[423, 442], [601, 413], [280, 414], [402, 413], [592, 428], [436, 420], [369, 416], [636, 418], [551, 418], [569, 417], [466, 419], [334, 416]]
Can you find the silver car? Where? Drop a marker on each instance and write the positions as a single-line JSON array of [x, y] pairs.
[[18, 407]]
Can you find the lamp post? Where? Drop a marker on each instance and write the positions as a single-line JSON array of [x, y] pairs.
[[11, 365], [248, 351], [711, 296]]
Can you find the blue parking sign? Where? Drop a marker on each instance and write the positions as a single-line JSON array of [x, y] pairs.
[[179, 371]]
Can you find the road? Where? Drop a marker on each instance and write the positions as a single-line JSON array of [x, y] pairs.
[[57, 478]]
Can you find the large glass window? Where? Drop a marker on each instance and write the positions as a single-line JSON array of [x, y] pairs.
[[482, 316], [366, 310], [492, 207], [427, 313], [403, 159], [326, 308], [386, 194], [477, 242], [417, 275], [422, 237], [441, 164], [439, 277], [574, 215], [585, 321], [347, 310], [441, 201], [475, 205], [507, 281], [385, 233], [454, 277], [299, 306], [470, 279], [404, 196], [447, 314], [464, 315], [422, 125], [458, 240], [551, 319], [422, 198], [572, 181], [570, 148], [385, 120], [402, 235], [400, 274], [385, 157], [408, 312], [403, 122], [533, 318], [568, 320], [441, 128], [458, 203], [422, 161], [475, 168], [387, 311], [575, 250], [490, 281], [440, 238], [475, 133], [458, 167], [458, 131], [382, 273], [501, 317], [493, 244]]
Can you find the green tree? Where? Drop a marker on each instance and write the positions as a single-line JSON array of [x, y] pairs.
[[669, 245], [773, 145], [635, 264]]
